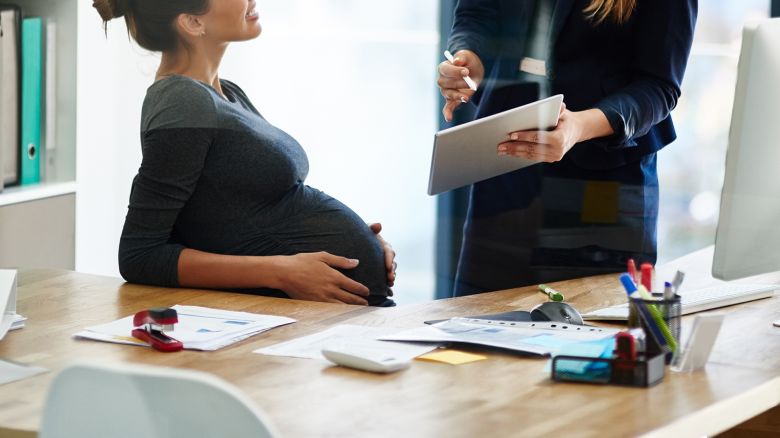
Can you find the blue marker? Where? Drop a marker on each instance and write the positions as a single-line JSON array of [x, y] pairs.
[[628, 284]]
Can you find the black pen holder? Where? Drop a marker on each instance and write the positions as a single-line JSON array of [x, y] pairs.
[[643, 372], [657, 337]]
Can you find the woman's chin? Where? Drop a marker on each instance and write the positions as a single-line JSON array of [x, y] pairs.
[[249, 34], [256, 31]]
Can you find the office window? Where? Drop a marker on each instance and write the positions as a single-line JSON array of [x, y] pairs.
[[691, 169], [354, 82]]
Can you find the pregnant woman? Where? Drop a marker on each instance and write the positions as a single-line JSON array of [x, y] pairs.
[[220, 200]]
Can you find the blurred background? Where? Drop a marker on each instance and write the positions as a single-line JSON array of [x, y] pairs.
[[691, 169], [354, 82]]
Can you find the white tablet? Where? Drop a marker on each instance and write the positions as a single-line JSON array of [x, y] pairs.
[[467, 153]]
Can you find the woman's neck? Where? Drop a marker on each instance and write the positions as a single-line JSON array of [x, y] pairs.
[[197, 62]]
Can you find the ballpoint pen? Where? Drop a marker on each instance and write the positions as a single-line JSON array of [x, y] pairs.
[[550, 292], [668, 291], [470, 82]]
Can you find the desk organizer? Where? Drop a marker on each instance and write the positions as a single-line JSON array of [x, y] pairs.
[[671, 313], [644, 372]]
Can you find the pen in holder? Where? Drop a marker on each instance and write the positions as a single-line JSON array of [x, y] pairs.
[[660, 320]]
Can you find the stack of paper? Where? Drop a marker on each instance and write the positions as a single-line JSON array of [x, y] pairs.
[[17, 322], [542, 338], [199, 328], [361, 339]]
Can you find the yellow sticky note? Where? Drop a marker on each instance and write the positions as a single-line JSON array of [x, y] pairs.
[[600, 203], [452, 357]]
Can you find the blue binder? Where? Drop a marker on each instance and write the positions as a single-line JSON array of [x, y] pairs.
[[32, 83]]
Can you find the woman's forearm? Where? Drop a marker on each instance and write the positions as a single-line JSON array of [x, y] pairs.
[[304, 276], [206, 270], [593, 124]]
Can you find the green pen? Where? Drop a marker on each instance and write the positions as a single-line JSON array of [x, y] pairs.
[[553, 294]]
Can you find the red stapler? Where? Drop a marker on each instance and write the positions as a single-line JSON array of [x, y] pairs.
[[150, 324]]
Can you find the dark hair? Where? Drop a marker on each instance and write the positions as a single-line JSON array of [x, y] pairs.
[[151, 23]]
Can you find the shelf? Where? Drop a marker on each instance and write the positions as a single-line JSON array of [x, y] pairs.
[[18, 195], [37, 222]]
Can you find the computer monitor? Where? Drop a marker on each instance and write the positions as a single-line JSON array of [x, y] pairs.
[[747, 241]]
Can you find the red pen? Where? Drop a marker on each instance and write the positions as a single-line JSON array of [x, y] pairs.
[[632, 269], [647, 276], [626, 350]]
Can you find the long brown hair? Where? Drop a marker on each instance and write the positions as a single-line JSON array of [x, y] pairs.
[[150, 22], [619, 11]]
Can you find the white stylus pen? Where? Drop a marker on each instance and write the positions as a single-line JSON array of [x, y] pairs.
[[472, 85]]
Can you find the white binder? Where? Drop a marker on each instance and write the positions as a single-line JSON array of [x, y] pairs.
[[10, 19]]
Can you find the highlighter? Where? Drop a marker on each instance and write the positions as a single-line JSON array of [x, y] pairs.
[[553, 294]]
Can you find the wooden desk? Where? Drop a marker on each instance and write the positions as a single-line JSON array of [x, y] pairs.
[[506, 395]]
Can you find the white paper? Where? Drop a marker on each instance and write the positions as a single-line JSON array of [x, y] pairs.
[[361, 339], [542, 338], [199, 328], [17, 322], [11, 372]]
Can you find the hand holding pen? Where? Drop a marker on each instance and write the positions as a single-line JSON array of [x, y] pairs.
[[453, 82]]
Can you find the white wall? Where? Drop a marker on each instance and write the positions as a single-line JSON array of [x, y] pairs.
[[113, 77], [366, 117]]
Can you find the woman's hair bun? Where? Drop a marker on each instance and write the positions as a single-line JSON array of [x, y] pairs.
[[110, 9]]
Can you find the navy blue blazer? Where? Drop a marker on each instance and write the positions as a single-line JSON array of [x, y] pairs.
[[632, 72]]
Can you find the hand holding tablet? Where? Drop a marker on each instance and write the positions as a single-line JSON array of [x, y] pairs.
[[467, 153]]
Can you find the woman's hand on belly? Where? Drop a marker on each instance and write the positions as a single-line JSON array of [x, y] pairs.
[[313, 277], [390, 263]]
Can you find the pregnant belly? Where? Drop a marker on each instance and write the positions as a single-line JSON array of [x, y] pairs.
[[328, 225]]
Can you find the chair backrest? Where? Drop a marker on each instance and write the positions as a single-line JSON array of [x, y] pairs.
[[133, 401]]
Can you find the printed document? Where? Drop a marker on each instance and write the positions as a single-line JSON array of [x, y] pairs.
[[199, 328], [542, 338]]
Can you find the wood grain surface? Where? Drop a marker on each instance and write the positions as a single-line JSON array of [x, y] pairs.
[[506, 395]]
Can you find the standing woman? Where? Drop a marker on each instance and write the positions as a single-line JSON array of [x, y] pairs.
[[592, 203], [219, 200]]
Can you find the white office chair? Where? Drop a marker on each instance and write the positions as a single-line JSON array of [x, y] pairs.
[[134, 401]]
